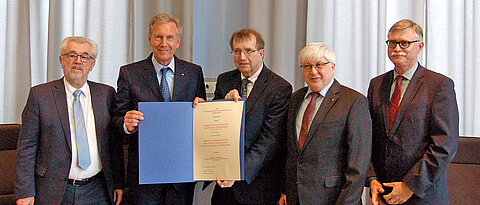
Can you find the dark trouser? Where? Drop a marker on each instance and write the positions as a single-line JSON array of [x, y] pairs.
[[94, 192], [162, 194]]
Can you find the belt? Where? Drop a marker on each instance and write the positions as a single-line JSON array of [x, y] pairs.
[[81, 182]]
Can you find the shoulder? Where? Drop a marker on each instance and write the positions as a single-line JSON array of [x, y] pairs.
[[46, 87], [276, 80], [435, 76], [100, 86], [229, 74], [137, 65]]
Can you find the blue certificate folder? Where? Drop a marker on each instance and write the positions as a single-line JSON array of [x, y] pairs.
[[165, 142]]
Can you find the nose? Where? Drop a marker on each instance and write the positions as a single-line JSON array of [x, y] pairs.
[[397, 47], [78, 59]]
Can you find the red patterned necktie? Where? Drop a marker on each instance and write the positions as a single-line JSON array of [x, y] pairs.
[[395, 100], [306, 119]]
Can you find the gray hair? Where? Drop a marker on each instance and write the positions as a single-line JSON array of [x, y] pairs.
[[163, 19], [407, 23], [315, 51], [79, 39]]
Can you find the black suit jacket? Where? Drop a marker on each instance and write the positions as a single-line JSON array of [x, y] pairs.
[[265, 118], [137, 82], [332, 165], [44, 147], [424, 136]]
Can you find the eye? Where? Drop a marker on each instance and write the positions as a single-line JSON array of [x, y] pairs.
[[72, 55], [404, 43]]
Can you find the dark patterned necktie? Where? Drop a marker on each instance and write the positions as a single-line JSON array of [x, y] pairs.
[[395, 100], [306, 119], [164, 85], [245, 83]]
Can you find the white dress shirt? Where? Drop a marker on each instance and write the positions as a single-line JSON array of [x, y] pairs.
[[85, 99], [252, 79]]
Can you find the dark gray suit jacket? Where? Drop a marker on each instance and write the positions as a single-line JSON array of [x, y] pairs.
[[265, 117], [331, 167], [137, 82], [424, 136], [44, 146]]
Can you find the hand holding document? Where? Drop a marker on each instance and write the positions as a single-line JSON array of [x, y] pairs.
[[178, 143]]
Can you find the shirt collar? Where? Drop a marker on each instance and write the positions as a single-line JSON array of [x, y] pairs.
[[159, 66], [69, 89], [254, 77], [407, 75], [322, 92]]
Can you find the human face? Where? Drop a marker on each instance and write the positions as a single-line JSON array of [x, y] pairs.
[[318, 77], [404, 58], [247, 64], [164, 42], [76, 71]]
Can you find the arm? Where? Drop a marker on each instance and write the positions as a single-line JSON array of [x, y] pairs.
[[122, 103], [271, 133], [359, 140], [27, 149], [443, 134]]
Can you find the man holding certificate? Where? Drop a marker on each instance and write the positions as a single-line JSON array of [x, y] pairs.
[[162, 77], [266, 95]]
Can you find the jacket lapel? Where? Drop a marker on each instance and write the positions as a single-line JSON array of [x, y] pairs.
[[385, 99], [296, 102], [181, 81], [412, 89], [150, 77], [97, 100], [60, 99], [257, 90], [327, 104]]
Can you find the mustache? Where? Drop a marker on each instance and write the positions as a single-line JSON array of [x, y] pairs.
[[393, 53]]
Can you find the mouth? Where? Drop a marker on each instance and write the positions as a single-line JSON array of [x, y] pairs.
[[398, 54]]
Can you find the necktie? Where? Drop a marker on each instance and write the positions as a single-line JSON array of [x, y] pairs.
[[245, 83], [395, 100], [164, 85], [306, 119], [83, 152]]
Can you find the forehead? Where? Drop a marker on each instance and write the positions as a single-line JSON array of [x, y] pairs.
[[164, 29], [248, 42], [313, 60], [403, 34], [78, 47]]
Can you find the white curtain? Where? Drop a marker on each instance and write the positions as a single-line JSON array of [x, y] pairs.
[[357, 30]]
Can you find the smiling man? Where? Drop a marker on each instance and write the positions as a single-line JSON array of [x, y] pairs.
[[328, 135], [162, 77], [66, 151], [415, 125], [266, 96]]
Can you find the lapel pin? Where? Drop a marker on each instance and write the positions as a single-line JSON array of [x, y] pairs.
[[183, 74], [333, 99]]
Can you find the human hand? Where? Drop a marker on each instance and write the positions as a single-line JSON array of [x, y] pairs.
[[226, 183], [131, 119], [376, 188], [233, 94], [400, 193], [196, 101], [282, 200], [26, 201], [117, 195]]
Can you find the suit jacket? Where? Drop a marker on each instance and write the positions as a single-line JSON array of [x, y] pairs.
[[44, 146], [423, 138], [137, 82], [265, 117], [331, 167]]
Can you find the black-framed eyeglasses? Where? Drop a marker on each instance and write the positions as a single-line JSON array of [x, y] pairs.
[[247, 52], [308, 67], [402, 44], [73, 57]]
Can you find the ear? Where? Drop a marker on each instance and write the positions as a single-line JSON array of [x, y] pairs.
[[93, 64], [420, 47], [150, 40], [178, 43], [262, 53]]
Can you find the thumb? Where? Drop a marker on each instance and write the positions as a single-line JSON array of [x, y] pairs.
[[388, 184]]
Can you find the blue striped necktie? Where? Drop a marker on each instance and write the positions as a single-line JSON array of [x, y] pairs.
[[164, 84]]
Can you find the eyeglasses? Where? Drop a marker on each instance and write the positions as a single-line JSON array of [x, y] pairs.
[[308, 67], [73, 57], [403, 44], [247, 52]]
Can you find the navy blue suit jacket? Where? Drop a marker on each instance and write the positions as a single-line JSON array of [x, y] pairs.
[[137, 82], [265, 125], [44, 147], [423, 138]]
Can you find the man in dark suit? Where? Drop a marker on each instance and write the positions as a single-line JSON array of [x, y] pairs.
[[66, 152], [266, 96], [415, 125], [161, 77], [329, 135]]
